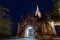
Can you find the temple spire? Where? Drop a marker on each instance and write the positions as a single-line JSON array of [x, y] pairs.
[[38, 13]]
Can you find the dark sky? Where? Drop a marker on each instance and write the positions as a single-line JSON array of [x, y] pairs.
[[22, 7]]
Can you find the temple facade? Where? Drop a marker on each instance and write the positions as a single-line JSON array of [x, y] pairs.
[[39, 28]]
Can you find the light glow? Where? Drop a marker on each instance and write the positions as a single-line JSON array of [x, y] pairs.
[[38, 13], [29, 27], [27, 31]]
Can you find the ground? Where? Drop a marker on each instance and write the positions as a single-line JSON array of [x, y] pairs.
[[21, 39]]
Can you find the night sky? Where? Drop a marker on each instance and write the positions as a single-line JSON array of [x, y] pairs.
[[22, 7]]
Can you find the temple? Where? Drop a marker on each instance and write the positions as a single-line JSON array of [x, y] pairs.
[[32, 26]]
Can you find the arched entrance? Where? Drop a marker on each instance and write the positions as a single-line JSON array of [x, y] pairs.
[[29, 31]]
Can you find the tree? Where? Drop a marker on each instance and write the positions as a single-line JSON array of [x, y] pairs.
[[5, 22], [58, 6], [55, 12]]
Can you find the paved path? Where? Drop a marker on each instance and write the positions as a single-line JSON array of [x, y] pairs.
[[22, 39]]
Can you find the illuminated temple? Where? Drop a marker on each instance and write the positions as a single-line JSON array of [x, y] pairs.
[[33, 26]]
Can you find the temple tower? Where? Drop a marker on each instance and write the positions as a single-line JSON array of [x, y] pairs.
[[38, 13]]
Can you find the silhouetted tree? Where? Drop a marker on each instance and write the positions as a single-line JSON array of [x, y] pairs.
[[5, 22], [55, 12]]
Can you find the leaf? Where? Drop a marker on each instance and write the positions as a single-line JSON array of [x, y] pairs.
[[5, 23]]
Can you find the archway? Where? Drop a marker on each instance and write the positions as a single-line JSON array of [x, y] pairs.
[[29, 31]]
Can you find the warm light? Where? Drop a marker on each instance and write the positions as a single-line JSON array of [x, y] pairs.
[[57, 23], [38, 13], [51, 23]]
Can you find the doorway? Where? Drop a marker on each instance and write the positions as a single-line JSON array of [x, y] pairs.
[[29, 32]]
